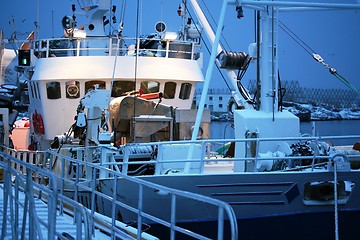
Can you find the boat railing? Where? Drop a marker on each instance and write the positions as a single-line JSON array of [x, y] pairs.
[[15, 183], [314, 153], [113, 46], [75, 175]]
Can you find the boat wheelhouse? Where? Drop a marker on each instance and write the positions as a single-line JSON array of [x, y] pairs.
[[160, 68]]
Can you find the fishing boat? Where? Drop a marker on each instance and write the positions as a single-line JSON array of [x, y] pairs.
[[279, 184]]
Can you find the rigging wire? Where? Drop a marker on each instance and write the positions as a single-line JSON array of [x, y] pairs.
[[122, 12], [241, 73], [139, 19], [213, 19], [136, 56], [296, 38], [317, 57], [161, 11], [209, 51]]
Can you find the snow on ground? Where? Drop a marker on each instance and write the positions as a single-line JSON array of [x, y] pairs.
[[308, 112]]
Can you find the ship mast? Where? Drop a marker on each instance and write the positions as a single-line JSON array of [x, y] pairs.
[[267, 121]]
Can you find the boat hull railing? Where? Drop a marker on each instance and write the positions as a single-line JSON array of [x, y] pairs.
[[113, 46], [77, 178], [314, 153]]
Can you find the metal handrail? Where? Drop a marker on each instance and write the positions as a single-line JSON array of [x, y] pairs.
[[83, 184], [48, 193], [25, 182], [78, 47], [123, 159], [86, 171], [114, 175]]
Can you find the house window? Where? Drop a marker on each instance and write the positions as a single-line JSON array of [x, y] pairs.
[[185, 91], [53, 90], [169, 90], [122, 88], [150, 87], [211, 107], [210, 98], [220, 98], [220, 105], [72, 89]]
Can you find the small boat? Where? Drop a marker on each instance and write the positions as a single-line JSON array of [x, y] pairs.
[[279, 184]]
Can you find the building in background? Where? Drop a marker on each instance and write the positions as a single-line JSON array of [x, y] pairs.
[[216, 100]]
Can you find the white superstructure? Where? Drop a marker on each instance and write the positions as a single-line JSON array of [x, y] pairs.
[[156, 67]]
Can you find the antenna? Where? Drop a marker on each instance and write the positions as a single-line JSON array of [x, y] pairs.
[[52, 23], [37, 23]]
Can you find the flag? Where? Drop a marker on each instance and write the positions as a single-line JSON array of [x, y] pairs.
[[28, 42]]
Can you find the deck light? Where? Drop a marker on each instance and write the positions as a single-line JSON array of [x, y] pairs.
[[170, 36], [240, 12]]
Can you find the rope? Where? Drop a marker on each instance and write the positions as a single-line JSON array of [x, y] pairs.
[[346, 82], [317, 57]]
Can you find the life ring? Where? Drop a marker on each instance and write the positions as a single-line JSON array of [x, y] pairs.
[[38, 123], [72, 90]]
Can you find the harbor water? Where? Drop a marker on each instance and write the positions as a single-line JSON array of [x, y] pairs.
[[224, 130]]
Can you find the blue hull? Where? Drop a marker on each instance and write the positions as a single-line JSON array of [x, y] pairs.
[[311, 226]]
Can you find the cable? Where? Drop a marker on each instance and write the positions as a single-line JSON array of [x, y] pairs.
[[317, 57], [136, 57], [296, 38], [226, 43], [208, 49]]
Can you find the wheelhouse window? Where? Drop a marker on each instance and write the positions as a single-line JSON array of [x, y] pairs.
[[150, 87], [122, 88], [91, 84], [32, 89], [72, 89], [169, 90], [37, 90], [53, 90], [185, 91]]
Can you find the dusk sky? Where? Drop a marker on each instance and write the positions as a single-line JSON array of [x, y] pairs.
[[335, 35]]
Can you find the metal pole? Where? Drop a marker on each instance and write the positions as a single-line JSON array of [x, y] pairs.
[[206, 83], [230, 74]]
